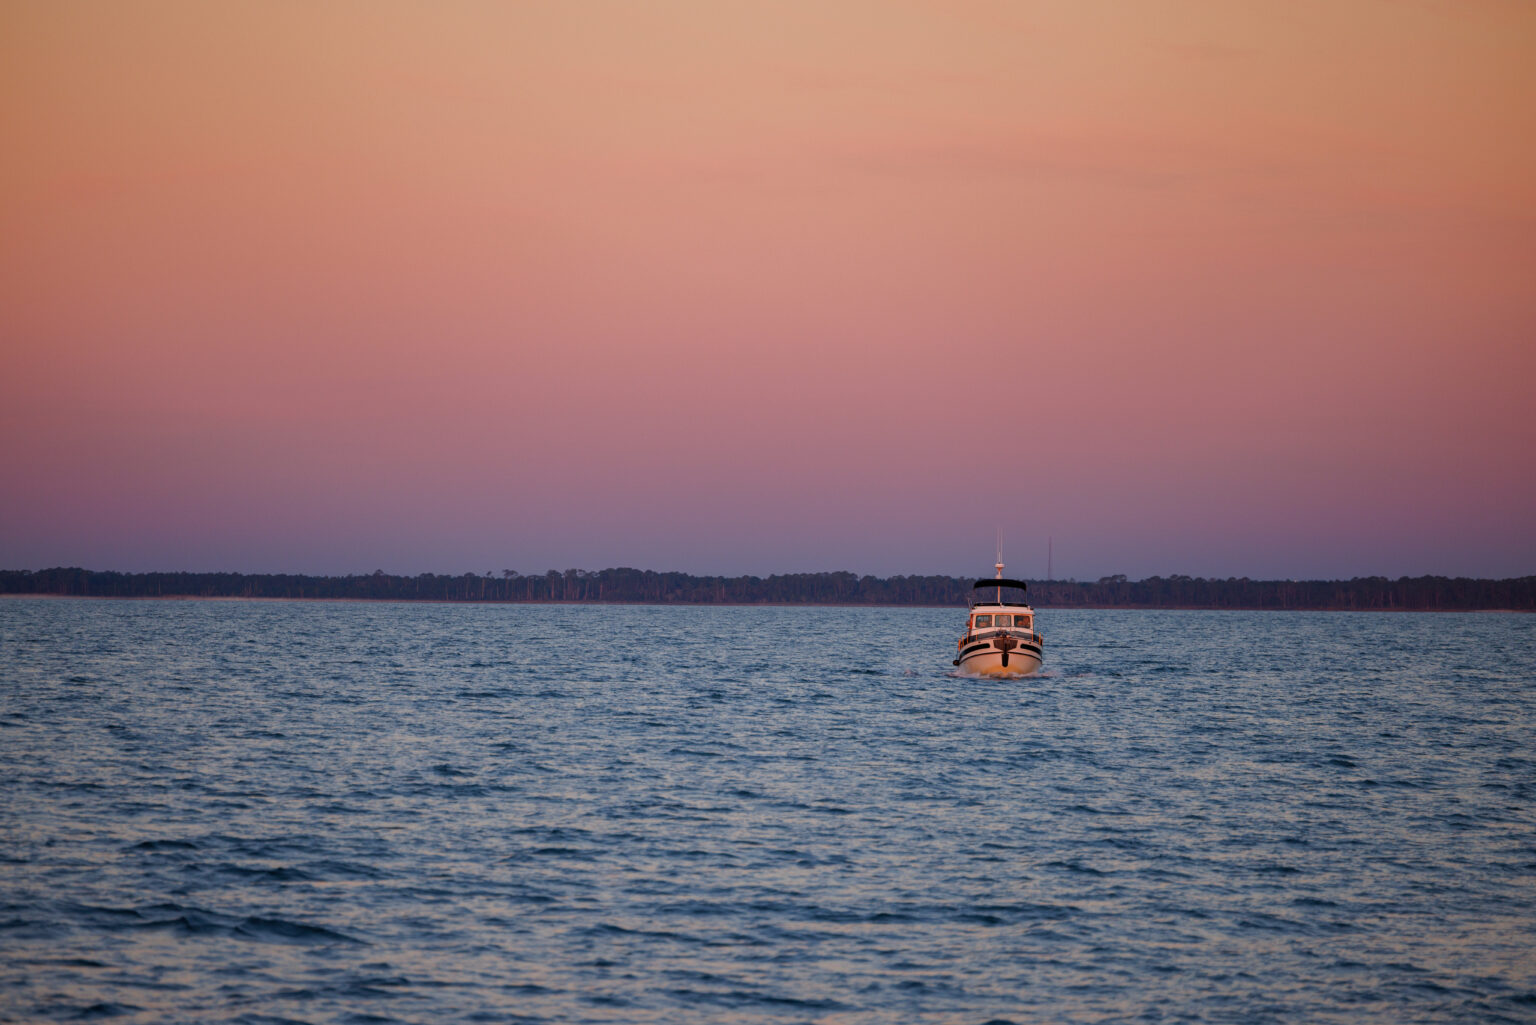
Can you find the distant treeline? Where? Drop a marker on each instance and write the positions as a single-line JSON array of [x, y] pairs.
[[633, 585]]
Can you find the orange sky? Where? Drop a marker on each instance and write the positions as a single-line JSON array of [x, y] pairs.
[[1209, 288]]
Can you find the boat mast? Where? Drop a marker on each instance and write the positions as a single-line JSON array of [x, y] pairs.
[[999, 564]]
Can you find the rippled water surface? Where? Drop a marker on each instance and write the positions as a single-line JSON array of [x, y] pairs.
[[262, 812]]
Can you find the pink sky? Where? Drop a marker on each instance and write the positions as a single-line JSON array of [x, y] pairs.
[[1206, 288]]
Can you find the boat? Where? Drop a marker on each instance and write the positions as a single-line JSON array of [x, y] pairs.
[[1000, 637]]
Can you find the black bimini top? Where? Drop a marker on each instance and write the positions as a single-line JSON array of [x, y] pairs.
[[1021, 585], [998, 592]]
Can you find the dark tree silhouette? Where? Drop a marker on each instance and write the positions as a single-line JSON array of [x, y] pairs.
[[626, 584]]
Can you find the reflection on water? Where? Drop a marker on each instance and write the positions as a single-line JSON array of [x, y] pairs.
[[226, 811]]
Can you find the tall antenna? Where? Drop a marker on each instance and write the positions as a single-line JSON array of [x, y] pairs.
[[999, 553]]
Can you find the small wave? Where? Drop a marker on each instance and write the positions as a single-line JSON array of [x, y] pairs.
[[100, 1011], [165, 845], [201, 922], [609, 929], [111, 917], [444, 790], [334, 870], [279, 929], [1027, 911], [1076, 866], [280, 873], [742, 998], [1260, 922], [843, 916]]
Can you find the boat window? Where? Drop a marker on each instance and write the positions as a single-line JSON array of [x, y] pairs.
[[982, 621], [1004, 620]]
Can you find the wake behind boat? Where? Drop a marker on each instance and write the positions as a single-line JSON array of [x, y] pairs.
[[1000, 637]]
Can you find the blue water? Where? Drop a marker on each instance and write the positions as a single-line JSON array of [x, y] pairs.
[[264, 812]]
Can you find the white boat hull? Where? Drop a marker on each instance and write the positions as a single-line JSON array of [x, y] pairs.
[[983, 659]]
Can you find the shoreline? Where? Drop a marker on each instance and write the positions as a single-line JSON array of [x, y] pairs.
[[728, 604]]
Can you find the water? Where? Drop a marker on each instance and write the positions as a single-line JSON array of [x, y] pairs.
[[263, 812]]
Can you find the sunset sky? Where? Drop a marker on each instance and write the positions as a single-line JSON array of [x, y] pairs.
[[754, 287]]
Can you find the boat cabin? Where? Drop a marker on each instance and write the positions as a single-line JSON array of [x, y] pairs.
[[1000, 603]]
